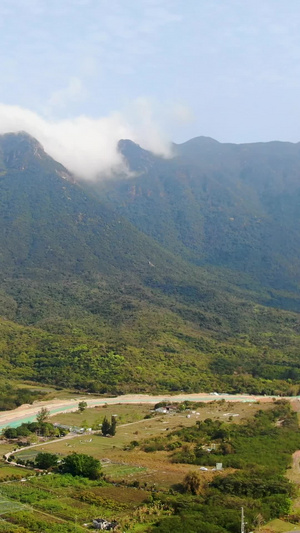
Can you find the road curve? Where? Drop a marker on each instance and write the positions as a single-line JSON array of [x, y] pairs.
[[28, 412]]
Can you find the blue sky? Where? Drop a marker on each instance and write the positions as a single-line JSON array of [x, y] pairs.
[[156, 70]]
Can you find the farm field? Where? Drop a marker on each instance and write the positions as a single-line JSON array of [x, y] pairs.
[[8, 472], [150, 468], [62, 504], [132, 477]]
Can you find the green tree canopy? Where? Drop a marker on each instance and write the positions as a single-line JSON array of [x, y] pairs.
[[105, 427], [82, 406], [42, 415], [113, 426], [80, 464], [46, 460]]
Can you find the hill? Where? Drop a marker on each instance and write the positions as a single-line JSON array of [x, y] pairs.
[[233, 207], [89, 301]]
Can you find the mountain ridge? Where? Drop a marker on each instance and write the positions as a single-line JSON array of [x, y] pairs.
[[92, 302], [232, 206]]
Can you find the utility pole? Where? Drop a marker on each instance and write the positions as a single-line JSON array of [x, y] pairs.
[[242, 520]]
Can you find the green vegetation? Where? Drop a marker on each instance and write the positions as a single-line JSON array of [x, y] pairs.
[[233, 207], [80, 464], [82, 406], [268, 440], [82, 289], [45, 429], [91, 303], [42, 416], [109, 428], [258, 450], [12, 397], [265, 361], [45, 460]]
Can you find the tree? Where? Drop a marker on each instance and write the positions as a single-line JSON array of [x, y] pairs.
[[10, 433], [82, 406], [113, 426], [42, 415], [46, 460], [109, 428], [23, 431], [80, 464], [192, 483], [105, 427]]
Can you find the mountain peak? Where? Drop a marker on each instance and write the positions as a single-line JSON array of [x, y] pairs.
[[201, 141], [138, 157], [20, 151], [21, 140], [126, 146]]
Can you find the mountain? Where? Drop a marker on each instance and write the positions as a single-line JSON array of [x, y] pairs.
[[90, 301], [51, 224], [52, 231], [234, 207]]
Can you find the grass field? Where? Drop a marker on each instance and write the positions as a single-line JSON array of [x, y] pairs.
[[5, 447], [279, 526], [9, 471], [95, 415], [53, 499], [116, 471]]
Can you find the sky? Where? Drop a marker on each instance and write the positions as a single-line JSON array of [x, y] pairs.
[[80, 74]]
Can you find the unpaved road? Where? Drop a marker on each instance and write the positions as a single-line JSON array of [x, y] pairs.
[[27, 413]]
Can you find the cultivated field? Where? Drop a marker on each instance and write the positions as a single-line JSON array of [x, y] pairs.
[[55, 501], [151, 468]]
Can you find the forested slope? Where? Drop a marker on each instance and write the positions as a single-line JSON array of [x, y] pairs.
[[234, 207], [91, 302]]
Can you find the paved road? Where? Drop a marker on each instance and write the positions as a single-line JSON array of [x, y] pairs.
[[27, 413]]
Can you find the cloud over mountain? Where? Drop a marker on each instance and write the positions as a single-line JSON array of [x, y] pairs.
[[88, 146]]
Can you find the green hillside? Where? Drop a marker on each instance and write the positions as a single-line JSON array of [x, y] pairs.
[[234, 207], [91, 302]]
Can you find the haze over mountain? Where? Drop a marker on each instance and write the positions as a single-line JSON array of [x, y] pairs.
[[88, 300]]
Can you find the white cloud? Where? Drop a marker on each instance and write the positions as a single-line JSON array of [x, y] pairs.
[[148, 119], [88, 146]]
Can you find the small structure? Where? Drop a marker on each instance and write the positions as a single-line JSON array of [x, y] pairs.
[[219, 466], [72, 429], [171, 408], [104, 525]]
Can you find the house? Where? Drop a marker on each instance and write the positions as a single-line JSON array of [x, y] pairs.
[[104, 525]]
